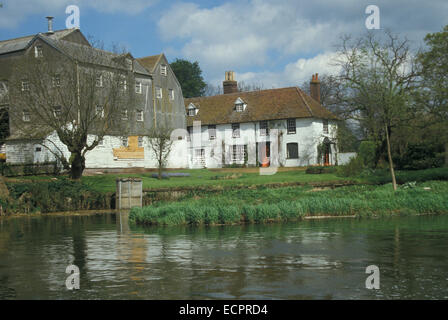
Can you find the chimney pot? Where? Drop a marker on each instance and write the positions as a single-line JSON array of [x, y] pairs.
[[50, 24], [229, 84]]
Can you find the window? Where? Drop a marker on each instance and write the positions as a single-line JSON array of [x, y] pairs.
[[138, 87], [171, 91], [124, 141], [292, 150], [239, 152], [25, 85], [212, 132], [140, 142], [38, 52], [56, 81], [163, 70], [99, 111], [191, 112], [291, 125], [240, 105], [264, 130], [124, 114], [139, 115], [99, 81], [235, 130], [123, 84], [100, 142], [57, 111], [159, 92], [26, 115], [325, 124], [38, 149]]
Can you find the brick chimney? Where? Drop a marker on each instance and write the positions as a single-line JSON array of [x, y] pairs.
[[50, 25], [315, 88], [229, 84]]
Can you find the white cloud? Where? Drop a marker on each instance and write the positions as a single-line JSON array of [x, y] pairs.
[[16, 11]]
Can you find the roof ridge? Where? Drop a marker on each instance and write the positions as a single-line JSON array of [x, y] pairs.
[[240, 92], [35, 34], [306, 103]]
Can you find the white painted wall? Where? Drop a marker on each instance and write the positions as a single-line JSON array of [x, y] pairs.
[[309, 134]]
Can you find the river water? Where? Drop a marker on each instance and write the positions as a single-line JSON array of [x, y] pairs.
[[312, 259]]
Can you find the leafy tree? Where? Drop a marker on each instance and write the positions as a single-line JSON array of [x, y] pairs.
[[433, 97], [190, 78]]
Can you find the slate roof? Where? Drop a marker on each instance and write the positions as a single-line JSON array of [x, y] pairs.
[[17, 44], [271, 104]]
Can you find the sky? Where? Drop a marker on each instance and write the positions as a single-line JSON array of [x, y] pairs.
[[275, 43]]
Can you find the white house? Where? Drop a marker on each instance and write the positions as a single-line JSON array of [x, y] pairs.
[[278, 127]]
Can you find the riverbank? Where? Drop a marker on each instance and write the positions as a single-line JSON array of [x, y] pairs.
[[295, 203]]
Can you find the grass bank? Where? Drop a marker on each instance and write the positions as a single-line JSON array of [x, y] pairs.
[[292, 203]]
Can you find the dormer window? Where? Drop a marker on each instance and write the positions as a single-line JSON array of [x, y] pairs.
[[240, 105], [192, 110]]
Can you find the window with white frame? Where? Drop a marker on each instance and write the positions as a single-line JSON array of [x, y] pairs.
[[212, 132], [158, 92], [264, 130], [292, 150], [138, 87], [140, 142], [235, 130], [163, 70], [124, 114], [239, 107], [100, 141], [325, 125], [38, 53], [26, 115], [99, 111], [191, 112], [99, 81], [56, 81], [124, 141], [140, 115], [291, 126], [57, 111], [171, 92], [239, 152], [25, 85]]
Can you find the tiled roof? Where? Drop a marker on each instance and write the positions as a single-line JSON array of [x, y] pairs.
[[150, 62], [268, 104]]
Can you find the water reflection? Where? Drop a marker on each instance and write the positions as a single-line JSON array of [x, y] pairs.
[[305, 260]]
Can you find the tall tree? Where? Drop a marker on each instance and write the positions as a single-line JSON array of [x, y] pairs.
[[69, 92], [378, 76], [433, 97], [190, 78]]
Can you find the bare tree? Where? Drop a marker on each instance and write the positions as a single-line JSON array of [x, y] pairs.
[[160, 143], [75, 91], [378, 77]]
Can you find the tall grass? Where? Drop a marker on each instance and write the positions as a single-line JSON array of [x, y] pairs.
[[292, 203]]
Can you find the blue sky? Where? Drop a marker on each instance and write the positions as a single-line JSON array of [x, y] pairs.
[[271, 42]]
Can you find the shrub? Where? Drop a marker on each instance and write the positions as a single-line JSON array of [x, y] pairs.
[[353, 168], [320, 169], [367, 154]]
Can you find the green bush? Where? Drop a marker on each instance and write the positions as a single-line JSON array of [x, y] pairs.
[[320, 169], [367, 154]]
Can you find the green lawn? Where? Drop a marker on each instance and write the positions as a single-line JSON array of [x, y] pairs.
[[204, 178]]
